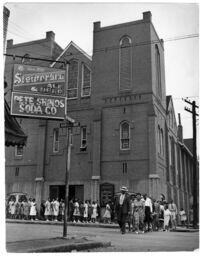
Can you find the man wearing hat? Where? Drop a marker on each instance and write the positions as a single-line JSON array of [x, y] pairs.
[[122, 208]]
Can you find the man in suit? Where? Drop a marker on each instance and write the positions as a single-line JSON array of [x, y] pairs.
[[122, 208]]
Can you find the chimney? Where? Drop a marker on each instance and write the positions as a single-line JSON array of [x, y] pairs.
[[50, 35], [180, 129], [97, 25], [9, 43], [147, 16]]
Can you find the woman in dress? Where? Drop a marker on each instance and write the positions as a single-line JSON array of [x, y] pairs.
[[61, 209], [89, 211], [183, 217], [21, 209], [107, 214], [56, 209], [138, 210], [12, 208], [52, 209], [26, 210], [85, 215], [17, 210], [47, 212], [94, 212], [33, 210], [167, 216], [76, 213]]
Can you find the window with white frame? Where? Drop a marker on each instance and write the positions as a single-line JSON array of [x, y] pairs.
[[158, 70], [125, 64], [18, 151], [83, 143], [73, 72], [56, 140], [86, 81], [124, 135]]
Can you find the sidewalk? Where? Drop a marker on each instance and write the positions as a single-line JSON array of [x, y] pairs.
[[57, 244], [99, 225]]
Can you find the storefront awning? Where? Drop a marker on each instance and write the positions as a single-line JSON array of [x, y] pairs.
[[14, 135]]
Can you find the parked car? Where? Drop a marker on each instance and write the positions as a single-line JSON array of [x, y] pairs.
[[17, 196]]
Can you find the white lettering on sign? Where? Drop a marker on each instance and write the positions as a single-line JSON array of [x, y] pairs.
[[20, 78], [38, 105]]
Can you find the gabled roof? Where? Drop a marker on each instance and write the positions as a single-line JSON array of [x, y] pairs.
[[169, 106], [67, 47], [168, 98]]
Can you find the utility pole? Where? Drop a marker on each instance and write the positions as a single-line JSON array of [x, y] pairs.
[[68, 158], [195, 184]]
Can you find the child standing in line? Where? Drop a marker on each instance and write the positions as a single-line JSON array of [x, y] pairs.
[[183, 217], [33, 210], [167, 216], [107, 214]]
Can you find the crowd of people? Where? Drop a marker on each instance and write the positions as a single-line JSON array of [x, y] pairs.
[[140, 212]]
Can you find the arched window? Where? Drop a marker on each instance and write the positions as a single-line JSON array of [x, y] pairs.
[[125, 64], [73, 72], [86, 81], [124, 135], [158, 70]]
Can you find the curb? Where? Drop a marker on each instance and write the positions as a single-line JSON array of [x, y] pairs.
[[71, 247], [93, 225], [61, 223], [185, 230]]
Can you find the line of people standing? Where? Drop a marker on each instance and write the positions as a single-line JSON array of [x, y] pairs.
[[86, 211], [22, 209]]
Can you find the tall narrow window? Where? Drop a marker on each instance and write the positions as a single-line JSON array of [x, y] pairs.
[[72, 91], [158, 71], [162, 141], [17, 171], [125, 64], [86, 81], [83, 145], [124, 136], [56, 140], [170, 150], [159, 140], [18, 151]]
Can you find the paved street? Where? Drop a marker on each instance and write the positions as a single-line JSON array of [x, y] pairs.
[[154, 241]]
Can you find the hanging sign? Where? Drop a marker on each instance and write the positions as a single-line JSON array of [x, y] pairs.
[[39, 80], [40, 106]]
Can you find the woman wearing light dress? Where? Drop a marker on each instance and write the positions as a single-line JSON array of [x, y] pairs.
[[12, 208], [107, 214], [76, 213], [33, 210], [167, 216], [56, 209], [138, 212], [85, 211], [47, 212], [94, 211]]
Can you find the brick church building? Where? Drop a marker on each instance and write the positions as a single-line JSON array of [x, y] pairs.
[[128, 133]]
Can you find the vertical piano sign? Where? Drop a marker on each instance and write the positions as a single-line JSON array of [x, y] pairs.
[[39, 80], [38, 92]]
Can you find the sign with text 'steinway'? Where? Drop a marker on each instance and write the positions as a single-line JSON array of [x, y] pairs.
[[38, 92], [38, 106], [39, 80]]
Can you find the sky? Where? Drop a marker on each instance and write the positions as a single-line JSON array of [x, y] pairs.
[[176, 23]]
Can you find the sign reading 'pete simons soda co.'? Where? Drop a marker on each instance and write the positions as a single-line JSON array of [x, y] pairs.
[[38, 92]]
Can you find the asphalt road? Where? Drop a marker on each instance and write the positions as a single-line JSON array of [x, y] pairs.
[[130, 242]]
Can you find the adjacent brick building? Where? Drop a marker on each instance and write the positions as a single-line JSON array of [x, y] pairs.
[[126, 121]]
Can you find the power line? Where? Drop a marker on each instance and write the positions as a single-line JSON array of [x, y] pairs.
[[115, 47]]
